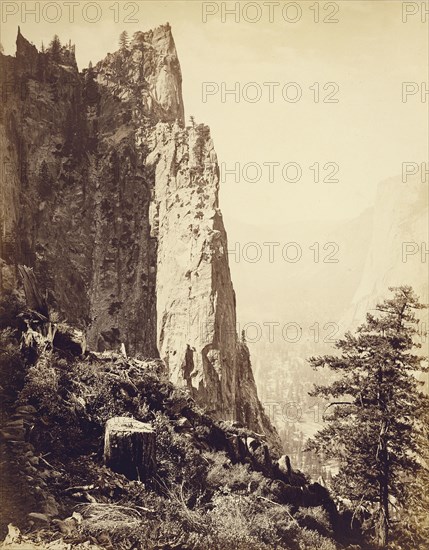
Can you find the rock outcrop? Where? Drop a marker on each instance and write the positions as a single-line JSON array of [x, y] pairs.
[[114, 203]]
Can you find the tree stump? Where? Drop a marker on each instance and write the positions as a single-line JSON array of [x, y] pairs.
[[129, 448]]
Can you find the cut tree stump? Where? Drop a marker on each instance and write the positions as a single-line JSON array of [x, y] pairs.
[[129, 448]]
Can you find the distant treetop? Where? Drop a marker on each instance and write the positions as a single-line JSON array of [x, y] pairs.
[[55, 46], [123, 40]]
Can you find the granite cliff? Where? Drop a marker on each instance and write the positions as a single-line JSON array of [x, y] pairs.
[[398, 250], [114, 203]]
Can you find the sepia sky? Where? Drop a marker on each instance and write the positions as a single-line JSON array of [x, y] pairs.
[[367, 54]]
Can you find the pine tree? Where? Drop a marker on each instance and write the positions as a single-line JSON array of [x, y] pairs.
[[123, 40], [376, 423], [412, 529], [55, 47]]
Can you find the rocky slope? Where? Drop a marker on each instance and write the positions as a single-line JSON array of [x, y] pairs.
[[56, 404], [114, 202]]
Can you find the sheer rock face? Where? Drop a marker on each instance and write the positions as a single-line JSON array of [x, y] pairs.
[[195, 298], [45, 189], [397, 253], [115, 204]]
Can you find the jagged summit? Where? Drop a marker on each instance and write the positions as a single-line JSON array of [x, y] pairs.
[[151, 35], [147, 68], [114, 203]]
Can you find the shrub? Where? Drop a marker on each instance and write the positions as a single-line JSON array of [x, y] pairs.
[[57, 427], [316, 519], [224, 475], [309, 540], [12, 367], [11, 305], [232, 523], [178, 458], [41, 385]]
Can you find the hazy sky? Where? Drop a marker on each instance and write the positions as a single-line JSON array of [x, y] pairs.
[[367, 54]]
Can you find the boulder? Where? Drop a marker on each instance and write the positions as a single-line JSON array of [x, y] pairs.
[[261, 459], [284, 467]]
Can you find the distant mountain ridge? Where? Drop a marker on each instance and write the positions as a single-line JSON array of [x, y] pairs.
[[371, 253]]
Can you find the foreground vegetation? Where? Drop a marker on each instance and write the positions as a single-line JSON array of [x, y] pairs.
[[208, 492], [378, 427], [217, 485]]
